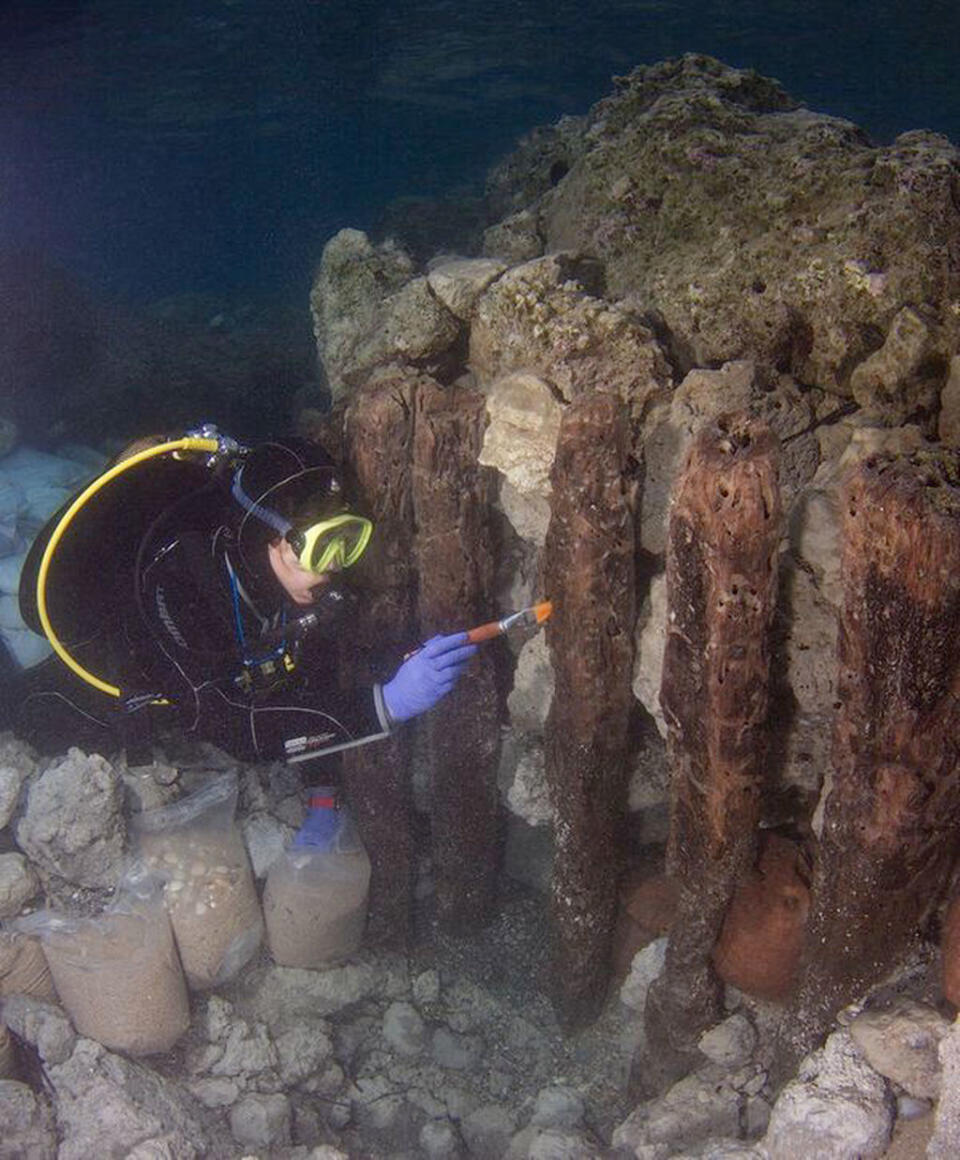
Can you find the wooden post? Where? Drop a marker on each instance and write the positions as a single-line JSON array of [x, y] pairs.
[[589, 573], [453, 497], [724, 536], [378, 437], [892, 818]]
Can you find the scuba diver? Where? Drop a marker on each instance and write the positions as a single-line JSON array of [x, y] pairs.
[[204, 578]]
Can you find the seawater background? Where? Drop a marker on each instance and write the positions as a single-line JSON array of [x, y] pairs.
[[187, 146]]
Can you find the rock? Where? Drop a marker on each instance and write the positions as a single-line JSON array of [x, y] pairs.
[[18, 884], [458, 283], [906, 375], [440, 1140], [699, 1106], [529, 700], [383, 1116], [41, 1024], [266, 838], [28, 1125], [514, 240], [835, 1109], [247, 1051], [545, 318], [730, 1044], [426, 987], [651, 633], [901, 1043], [303, 1051], [948, 428], [540, 160], [404, 1029], [261, 1121], [946, 1131], [353, 279], [280, 996], [558, 1107], [520, 441], [107, 1105], [523, 767], [755, 228], [487, 1131], [73, 824], [215, 1093], [537, 1143], [368, 311], [17, 764], [457, 1052], [646, 966], [762, 935]]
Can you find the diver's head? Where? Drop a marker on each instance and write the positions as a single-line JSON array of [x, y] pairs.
[[295, 513]]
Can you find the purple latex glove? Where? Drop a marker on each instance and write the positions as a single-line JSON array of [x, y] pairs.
[[428, 675], [322, 823]]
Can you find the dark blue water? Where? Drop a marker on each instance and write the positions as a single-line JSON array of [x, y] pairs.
[[159, 148]]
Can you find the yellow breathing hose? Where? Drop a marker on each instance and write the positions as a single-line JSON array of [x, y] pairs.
[[187, 443]]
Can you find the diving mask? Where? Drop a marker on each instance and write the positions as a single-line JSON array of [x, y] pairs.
[[331, 545]]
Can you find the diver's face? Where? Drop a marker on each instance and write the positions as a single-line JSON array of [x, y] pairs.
[[299, 584]]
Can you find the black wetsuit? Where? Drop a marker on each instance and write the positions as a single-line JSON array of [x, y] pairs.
[[225, 646], [186, 619]]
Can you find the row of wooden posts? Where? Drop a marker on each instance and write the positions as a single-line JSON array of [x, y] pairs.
[[890, 830]]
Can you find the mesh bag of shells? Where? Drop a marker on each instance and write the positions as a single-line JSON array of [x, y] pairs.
[[117, 973], [195, 844]]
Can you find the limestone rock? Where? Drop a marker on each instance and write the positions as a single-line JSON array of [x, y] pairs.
[[107, 1105], [906, 374], [487, 1131], [536, 1143], [651, 641], [280, 996], [303, 1051], [17, 763], [558, 1107], [647, 965], [42, 1024], [28, 1125], [946, 1133], [699, 1106], [731, 1042], [901, 1043], [546, 317], [514, 240], [261, 1121], [755, 228], [18, 884], [369, 310], [353, 279], [520, 441], [541, 159], [73, 825], [459, 282], [404, 1029], [837, 1107]]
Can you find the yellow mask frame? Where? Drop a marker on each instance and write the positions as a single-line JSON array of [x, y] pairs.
[[333, 544]]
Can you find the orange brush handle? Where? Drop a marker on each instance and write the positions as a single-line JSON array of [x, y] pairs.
[[484, 632]]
